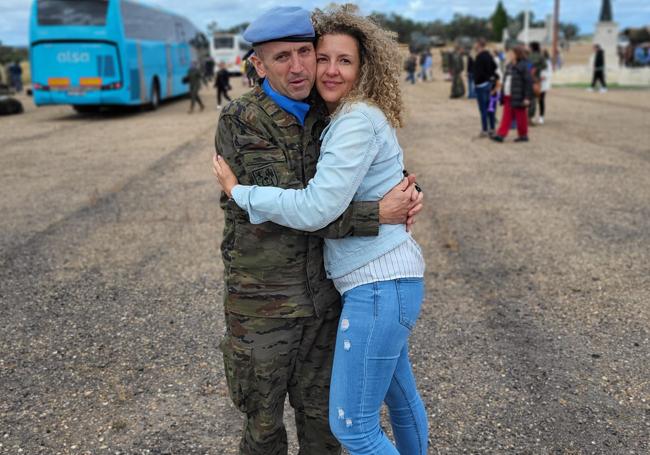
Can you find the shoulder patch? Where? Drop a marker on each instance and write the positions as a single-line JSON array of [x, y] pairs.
[[265, 176]]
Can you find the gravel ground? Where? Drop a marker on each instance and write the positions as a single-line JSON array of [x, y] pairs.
[[534, 338]]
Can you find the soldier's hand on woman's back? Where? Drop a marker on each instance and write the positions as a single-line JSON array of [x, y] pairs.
[[417, 196], [401, 204]]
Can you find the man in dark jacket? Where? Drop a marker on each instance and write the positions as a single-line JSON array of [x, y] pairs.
[[485, 79], [599, 69], [410, 66], [208, 67], [16, 76], [222, 84]]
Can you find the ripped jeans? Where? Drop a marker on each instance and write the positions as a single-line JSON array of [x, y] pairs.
[[371, 366]]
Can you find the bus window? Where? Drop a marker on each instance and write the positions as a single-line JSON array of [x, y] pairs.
[[227, 42], [72, 12], [145, 23], [181, 38]]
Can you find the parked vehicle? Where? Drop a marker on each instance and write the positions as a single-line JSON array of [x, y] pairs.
[[92, 53], [9, 105], [230, 49]]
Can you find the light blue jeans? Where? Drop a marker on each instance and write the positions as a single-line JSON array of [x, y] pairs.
[[371, 366]]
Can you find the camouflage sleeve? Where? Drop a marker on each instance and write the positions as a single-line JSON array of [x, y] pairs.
[[233, 136], [225, 146], [359, 219]]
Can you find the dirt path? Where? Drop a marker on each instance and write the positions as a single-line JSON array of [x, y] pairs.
[[534, 337]]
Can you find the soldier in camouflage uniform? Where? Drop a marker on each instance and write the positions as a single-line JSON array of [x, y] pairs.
[[194, 78], [281, 311]]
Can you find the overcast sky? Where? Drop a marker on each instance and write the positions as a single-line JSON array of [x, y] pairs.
[[14, 14]]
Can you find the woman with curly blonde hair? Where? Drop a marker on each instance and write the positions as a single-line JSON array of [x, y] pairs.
[[380, 278]]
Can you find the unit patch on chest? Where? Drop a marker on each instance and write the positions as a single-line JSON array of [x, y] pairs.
[[265, 176]]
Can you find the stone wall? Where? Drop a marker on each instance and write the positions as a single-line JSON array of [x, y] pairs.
[[627, 77]]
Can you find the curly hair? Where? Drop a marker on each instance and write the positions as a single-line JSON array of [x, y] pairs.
[[379, 75]]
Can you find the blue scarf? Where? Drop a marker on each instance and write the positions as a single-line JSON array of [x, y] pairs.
[[298, 109]]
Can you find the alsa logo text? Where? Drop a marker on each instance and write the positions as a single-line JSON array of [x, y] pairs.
[[73, 57]]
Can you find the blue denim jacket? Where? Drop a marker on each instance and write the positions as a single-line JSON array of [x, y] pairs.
[[360, 160]]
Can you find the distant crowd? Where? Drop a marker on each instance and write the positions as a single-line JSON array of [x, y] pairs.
[[634, 55], [517, 80]]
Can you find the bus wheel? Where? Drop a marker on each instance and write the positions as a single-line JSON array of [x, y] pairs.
[[85, 108], [155, 96]]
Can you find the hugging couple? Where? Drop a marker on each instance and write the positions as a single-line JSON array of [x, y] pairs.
[[323, 281]]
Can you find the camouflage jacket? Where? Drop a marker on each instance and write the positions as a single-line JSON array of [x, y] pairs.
[[194, 79], [271, 270]]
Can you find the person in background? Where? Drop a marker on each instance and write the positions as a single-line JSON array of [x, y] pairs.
[[16, 76], [495, 99], [641, 56], [445, 56], [545, 86], [598, 64], [499, 63], [248, 74], [423, 71], [471, 92], [485, 78], [209, 69], [428, 64], [194, 78], [517, 94], [456, 67], [538, 65], [222, 83], [410, 67]]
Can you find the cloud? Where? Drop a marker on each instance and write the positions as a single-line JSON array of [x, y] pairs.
[[14, 14], [14, 21]]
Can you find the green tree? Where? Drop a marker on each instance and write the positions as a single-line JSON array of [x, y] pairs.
[[403, 26], [569, 30], [349, 7], [499, 21], [239, 28], [520, 18], [212, 28], [11, 54], [467, 26]]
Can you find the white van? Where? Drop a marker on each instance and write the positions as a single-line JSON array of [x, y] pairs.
[[230, 49]]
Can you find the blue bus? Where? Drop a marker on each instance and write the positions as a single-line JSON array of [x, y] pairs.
[[92, 53]]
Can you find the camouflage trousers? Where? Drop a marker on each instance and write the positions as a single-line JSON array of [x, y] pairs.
[[266, 358], [194, 99]]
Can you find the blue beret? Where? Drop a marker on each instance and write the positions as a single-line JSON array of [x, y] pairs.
[[284, 23]]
